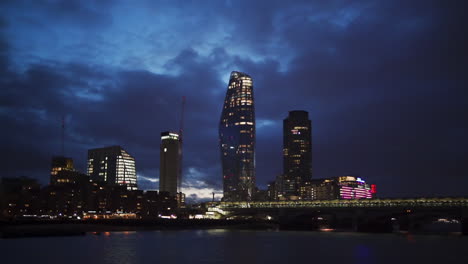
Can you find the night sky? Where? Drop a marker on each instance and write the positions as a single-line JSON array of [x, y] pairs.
[[385, 84]]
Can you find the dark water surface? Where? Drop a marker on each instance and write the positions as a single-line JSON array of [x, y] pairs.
[[234, 246]]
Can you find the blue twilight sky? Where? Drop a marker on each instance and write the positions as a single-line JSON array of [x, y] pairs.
[[385, 84]]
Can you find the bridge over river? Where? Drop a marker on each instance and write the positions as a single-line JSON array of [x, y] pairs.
[[373, 215]]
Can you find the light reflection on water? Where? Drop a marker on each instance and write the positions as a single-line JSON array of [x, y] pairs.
[[230, 246], [122, 248], [213, 232]]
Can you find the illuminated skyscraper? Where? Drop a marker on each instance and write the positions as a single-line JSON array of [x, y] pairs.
[[112, 165], [297, 152], [237, 139], [169, 168]]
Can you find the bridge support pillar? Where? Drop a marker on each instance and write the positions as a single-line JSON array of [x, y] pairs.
[[406, 223], [358, 220], [464, 222], [411, 224], [464, 226]]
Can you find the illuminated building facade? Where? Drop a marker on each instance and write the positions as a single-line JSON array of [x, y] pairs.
[[19, 196], [169, 165], [326, 189], [59, 165], [112, 165], [63, 172], [354, 188], [344, 188], [297, 152], [279, 186], [237, 139], [307, 191], [272, 191]]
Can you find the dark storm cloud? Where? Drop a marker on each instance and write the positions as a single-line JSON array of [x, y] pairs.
[[129, 108], [386, 96], [384, 83], [70, 11]]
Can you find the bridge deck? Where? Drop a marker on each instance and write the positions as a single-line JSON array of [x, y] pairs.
[[363, 203]]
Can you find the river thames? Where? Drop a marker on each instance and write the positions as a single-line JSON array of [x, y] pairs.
[[235, 246]]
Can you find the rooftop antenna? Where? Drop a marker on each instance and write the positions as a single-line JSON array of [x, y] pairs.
[[181, 132], [63, 136]]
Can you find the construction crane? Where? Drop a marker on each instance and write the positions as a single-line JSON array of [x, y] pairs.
[[181, 140]]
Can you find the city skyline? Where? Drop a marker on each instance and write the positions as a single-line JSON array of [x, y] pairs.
[[383, 84]]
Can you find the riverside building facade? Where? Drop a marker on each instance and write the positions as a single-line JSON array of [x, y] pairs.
[[113, 166]]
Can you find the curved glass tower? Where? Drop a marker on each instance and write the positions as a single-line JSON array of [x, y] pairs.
[[237, 139]]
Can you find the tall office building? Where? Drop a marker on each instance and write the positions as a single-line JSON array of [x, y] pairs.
[[237, 139], [169, 163], [112, 165], [297, 152]]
